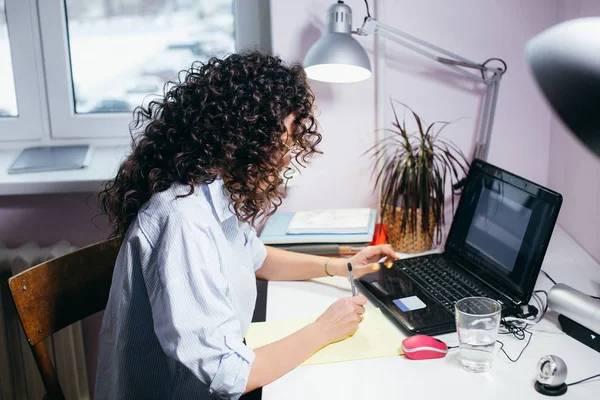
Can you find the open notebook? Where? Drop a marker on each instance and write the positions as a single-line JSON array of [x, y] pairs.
[[376, 337]]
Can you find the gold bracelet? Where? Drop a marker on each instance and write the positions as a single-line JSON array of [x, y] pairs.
[[327, 272]]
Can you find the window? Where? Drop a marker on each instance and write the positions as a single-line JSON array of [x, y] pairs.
[[22, 92], [122, 52], [8, 98], [99, 59]]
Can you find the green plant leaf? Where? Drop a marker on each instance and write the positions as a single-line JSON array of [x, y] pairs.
[[412, 171]]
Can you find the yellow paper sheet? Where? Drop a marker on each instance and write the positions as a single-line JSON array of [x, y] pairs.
[[376, 337]]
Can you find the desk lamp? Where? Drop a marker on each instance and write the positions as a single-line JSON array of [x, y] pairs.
[[565, 61], [337, 57]]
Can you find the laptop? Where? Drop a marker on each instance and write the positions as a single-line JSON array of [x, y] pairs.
[[495, 248]]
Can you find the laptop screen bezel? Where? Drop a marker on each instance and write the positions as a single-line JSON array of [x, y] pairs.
[[471, 260]]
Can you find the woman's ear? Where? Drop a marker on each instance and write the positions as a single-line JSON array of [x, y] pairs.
[[289, 127]]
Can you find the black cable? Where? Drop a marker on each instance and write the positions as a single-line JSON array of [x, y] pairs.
[[519, 332], [539, 319], [522, 350], [583, 380], [452, 347], [368, 13], [513, 329], [554, 282], [548, 276]]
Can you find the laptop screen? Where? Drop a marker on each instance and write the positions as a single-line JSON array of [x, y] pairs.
[[502, 227]]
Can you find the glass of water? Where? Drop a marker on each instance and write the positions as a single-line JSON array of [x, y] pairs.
[[477, 322]]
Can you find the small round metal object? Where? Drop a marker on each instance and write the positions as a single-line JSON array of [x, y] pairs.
[[551, 370], [24, 287]]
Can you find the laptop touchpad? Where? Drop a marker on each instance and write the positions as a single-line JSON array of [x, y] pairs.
[[410, 303]]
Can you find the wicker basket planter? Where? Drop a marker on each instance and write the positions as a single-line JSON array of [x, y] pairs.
[[413, 166], [410, 241]]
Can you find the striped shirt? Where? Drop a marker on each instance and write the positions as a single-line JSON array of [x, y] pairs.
[[181, 301]]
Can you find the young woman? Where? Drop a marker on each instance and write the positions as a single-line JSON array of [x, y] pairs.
[[207, 163]]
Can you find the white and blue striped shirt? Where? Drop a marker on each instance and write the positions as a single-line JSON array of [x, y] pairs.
[[181, 301]]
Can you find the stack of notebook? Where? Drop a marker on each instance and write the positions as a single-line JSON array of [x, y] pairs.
[[325, 232]]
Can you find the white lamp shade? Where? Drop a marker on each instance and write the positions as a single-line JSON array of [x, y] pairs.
[[337, 57]]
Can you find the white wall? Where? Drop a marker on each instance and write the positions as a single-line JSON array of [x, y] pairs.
[[574, 170], [475, 29]]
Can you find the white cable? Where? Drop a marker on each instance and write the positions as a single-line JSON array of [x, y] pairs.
[[548, 332], [538, 300], [541, 305]]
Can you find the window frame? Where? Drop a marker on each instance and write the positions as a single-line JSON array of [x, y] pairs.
[[31, 120], [45, 90]]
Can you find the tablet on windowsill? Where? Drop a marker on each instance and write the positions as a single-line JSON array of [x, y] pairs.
[[52, 158]]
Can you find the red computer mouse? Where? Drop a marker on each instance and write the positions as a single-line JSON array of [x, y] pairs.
[[423, 347]]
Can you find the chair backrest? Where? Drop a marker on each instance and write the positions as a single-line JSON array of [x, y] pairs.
[[59, 292]]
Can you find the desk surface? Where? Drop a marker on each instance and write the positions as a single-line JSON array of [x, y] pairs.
[[397, 377]]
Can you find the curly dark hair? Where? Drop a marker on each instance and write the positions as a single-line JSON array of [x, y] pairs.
[[223, 119]]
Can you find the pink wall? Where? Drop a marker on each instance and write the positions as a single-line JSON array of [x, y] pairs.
[[341, 177], [474, 29], [346, 113], [45, 219], [573, 169]]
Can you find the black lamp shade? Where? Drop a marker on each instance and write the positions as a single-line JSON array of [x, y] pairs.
[[565, 61]]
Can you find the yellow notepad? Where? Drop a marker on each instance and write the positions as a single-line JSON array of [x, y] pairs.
[[376, 337]]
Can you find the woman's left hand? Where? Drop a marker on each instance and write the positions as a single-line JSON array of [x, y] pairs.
[[366, 260]]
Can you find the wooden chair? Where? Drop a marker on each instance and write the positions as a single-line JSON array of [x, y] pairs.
[[59, 292]]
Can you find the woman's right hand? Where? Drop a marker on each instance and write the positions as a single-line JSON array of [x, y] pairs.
[[341, 319]]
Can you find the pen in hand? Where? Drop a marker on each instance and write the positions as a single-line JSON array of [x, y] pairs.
[[351, 278]]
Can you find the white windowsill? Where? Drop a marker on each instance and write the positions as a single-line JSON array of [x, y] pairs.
[[103, 166]]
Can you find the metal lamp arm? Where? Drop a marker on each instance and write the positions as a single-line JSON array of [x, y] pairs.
[[489, 76]]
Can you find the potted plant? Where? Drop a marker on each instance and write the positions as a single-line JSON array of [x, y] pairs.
[[412, 172]]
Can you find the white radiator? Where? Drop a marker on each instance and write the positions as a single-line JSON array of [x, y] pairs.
[[19, 376]]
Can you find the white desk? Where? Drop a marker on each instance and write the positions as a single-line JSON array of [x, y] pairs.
[[400, 378]]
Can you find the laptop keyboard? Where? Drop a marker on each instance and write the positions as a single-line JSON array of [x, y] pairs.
[[442, 282]]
